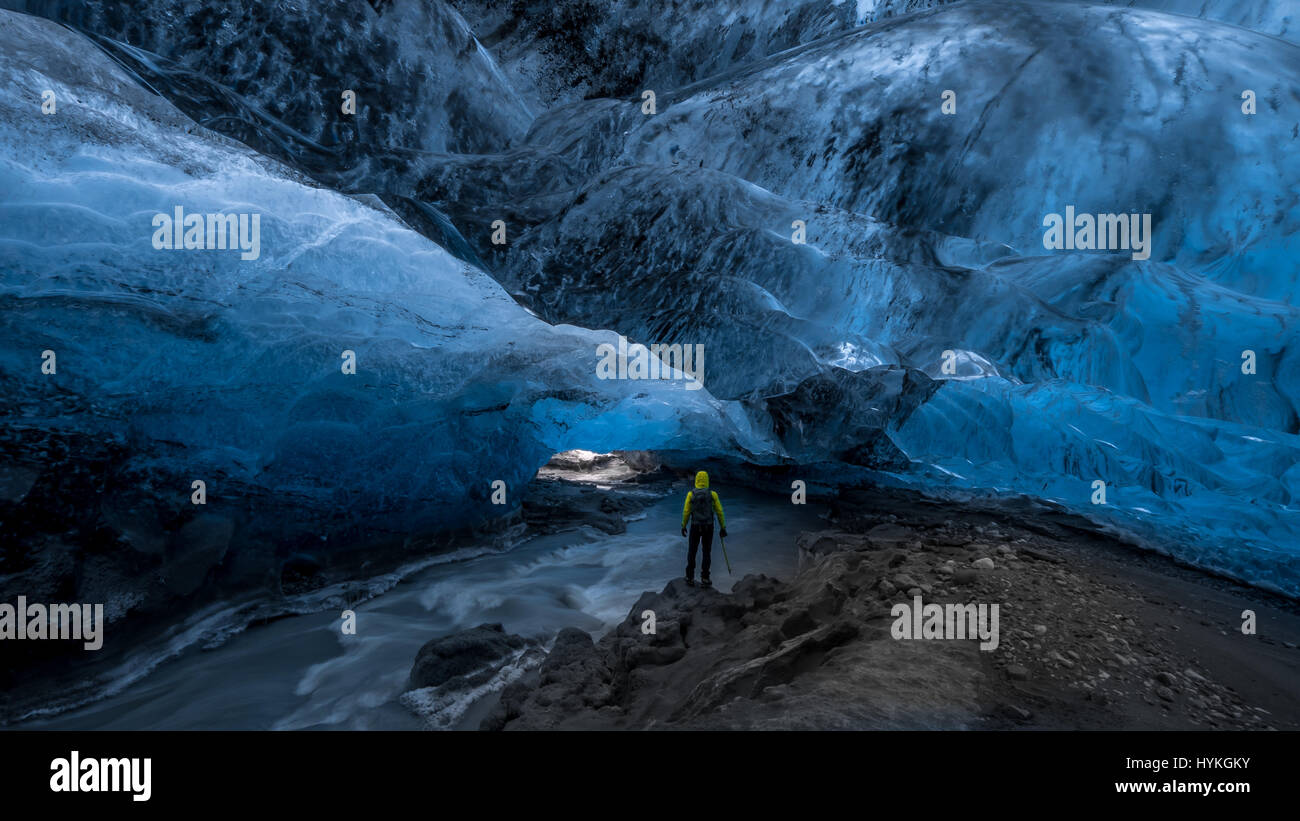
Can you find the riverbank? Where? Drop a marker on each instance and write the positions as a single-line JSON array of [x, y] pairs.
[[592, 537], [1128, 638], [1093, 635]]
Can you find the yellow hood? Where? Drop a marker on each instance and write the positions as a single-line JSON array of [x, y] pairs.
[[701, 479]]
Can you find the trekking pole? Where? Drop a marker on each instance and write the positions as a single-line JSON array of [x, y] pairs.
[[723, 542]]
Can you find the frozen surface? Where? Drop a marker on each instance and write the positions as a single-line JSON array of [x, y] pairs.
[[923, 236], [1058, 105], [422, 81], [202, 365]]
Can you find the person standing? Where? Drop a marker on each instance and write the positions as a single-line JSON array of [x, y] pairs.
[[699, 509]]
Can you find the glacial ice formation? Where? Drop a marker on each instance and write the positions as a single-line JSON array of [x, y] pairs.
[[923, 246], [196, 364], [1145, 119], [421, 78], [924, 235]]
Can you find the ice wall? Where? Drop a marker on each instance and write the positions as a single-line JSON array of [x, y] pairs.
[[177, 365]]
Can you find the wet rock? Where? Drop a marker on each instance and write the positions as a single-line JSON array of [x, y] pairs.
[[463, 653]]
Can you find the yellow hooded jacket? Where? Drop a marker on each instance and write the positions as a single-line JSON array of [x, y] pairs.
[[702, 480]]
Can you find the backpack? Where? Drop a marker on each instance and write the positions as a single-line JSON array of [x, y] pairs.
[[701, 506]]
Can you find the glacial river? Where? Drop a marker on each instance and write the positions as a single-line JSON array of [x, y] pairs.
[[301, 672]]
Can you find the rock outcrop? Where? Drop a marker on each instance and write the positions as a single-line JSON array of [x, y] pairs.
[[1077, 644]]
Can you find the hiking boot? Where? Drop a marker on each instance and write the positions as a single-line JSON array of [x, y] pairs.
[[706, 582], [690, 582]]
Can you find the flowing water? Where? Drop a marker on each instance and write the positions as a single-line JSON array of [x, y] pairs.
[[301, 672]]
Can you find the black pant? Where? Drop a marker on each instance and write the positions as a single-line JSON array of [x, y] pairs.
[[699, 532]]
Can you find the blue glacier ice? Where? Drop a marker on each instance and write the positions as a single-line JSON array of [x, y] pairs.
[[924, 235], [923, 245], [1146, 120], [201, 365], [254, 51]]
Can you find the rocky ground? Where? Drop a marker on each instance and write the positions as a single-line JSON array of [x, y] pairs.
[[1093, 634]]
